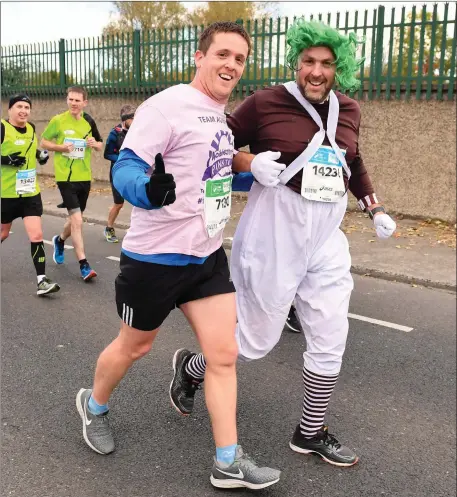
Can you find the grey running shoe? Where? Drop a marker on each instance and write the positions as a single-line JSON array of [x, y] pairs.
[[183, 387], [96, 430], [325, 445], [243, 472], [46, 286]]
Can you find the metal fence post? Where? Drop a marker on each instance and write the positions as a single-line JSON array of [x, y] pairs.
[[62, 65], [379, 49], [136, 58]]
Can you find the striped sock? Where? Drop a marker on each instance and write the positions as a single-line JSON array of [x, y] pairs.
[[196, 367], [318, 390]]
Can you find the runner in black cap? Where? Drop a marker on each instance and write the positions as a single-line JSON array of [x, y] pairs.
[[20, 191]]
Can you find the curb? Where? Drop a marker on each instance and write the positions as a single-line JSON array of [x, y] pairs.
[[94, 220], [403, 278], [360, 270], [384, 275]]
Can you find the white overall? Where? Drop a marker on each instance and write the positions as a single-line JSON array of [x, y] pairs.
[[289, 249]]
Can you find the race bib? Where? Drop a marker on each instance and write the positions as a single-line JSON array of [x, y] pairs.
[[25, 181], [79, 150], [218, 201], [323, 176]]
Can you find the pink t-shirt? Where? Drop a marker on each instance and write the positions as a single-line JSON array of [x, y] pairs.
[[190, 130]]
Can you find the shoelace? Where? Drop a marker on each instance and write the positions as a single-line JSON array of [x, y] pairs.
[[99, 428], [247, 458], [330, 440], [104, 417], [190, 387]]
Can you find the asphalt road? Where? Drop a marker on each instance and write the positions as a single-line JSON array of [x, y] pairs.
[[394, 403]]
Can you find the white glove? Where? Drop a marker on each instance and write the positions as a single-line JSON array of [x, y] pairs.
[[384, 224], [265, 169]]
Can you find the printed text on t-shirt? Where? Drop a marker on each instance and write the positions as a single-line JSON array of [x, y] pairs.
[[212, 119]]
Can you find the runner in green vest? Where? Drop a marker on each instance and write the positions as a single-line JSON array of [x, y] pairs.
[[20, 191], [72, 136]]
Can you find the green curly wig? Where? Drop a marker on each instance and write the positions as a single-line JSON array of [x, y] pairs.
[[306, 34]]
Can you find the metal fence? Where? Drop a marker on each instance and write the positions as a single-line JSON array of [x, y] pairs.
[[409, 53]]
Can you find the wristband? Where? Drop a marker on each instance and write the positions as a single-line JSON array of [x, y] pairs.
[[372, 212]]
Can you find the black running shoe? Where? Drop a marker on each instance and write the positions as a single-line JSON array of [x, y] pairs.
[[183, 386], [325, 445], [292, 321]]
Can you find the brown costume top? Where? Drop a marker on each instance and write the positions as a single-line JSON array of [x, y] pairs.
[[273, 119]]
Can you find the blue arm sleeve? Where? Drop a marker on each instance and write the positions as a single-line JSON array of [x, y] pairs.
[[242, 182], [110, 153], [130, 179]]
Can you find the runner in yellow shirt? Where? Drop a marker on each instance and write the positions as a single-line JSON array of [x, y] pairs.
[[20, 191], [73, 135]]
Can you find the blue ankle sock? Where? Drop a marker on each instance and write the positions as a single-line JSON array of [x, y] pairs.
[[226, 455], [95, 408]]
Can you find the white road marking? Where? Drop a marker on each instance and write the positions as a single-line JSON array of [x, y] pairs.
[[399, 327], [50, 243]]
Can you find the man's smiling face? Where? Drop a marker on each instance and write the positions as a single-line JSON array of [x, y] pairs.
[[316, 73], [19, 113], [222, 66]]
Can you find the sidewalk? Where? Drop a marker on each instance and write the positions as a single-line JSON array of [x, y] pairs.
[[420, 253]]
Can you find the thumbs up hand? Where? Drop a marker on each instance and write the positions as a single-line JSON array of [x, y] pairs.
[[161, 187]]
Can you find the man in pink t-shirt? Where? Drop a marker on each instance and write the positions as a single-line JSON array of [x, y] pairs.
[[175, 167], [303, 140]]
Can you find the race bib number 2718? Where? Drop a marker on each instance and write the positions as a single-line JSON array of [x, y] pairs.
[[79, 148]]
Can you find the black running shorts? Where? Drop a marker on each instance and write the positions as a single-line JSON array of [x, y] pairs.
[[146, 293], [74, 194], [13, 208], [117, 197]]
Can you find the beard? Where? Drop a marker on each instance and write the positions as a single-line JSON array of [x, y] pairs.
[[313, 96]]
